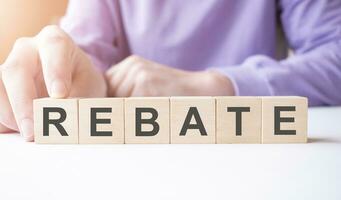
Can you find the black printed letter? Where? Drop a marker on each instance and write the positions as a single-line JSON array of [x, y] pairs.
[[94, 121], [193, 111], [56, 122], [238, 111], [279, 119], [139, 121]]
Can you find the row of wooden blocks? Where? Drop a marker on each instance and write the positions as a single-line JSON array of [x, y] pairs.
[[167, 120]]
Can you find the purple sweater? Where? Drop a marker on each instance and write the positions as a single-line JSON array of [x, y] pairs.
[[246, 40]]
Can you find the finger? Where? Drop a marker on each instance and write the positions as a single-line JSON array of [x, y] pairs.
[[116, 74], [6, 113], [126, 87], [22, 101], [96, 85], [115, 81], [123, 64], [4, 129], [57, 53], [18, 73]]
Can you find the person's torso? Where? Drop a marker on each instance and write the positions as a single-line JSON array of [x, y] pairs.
[[196, 34]]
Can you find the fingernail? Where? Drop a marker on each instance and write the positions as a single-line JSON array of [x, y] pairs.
[[26, 129], [58, 89]]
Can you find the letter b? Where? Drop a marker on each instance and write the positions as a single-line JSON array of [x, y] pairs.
[[152, 121]]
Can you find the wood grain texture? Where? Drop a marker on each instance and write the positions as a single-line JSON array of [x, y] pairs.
[[179, 120], [246, 109], [180, 107], [296, 119], [109, 131], [161, 106], [70, 124]]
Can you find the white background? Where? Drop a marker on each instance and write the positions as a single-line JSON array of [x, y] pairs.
[[231, 171]]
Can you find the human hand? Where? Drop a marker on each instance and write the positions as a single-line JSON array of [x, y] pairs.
[[136, 76], [49, 64]]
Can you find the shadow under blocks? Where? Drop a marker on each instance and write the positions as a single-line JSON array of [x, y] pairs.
[[171, 120]]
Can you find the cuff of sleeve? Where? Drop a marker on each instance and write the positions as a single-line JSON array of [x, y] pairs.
[[246, 81]]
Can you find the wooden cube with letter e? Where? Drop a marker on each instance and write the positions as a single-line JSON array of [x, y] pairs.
[[284, 119], [101, 120]]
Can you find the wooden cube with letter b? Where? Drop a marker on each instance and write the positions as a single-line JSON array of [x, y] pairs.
[[55, 121], [193, 120], [147, 120], [239, 120], [284, 119], [101, 120]]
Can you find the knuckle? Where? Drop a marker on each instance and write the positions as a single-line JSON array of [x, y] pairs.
[[10, 67], [143, 77], [53, 34], [22, 42], [51, 29], [139, 68], [135, 58], [22, 46]]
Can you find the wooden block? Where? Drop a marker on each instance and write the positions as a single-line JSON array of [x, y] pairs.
[[284, 119], [147, 120], [238, 119], [192, 120], [101, 120], [55, 121]]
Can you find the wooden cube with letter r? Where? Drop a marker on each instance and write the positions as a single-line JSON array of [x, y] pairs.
[[284, 119], [55, 121]]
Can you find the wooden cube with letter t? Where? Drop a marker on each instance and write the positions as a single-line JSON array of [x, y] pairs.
[[101, 120], [56, 121], [147, 120], [239, 120], [193, 120], [284, 119]]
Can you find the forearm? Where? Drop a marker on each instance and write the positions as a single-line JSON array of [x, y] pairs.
[[316, 75]]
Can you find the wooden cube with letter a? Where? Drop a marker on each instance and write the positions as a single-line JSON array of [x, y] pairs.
[[238, 119], [284, 119], [193, 120], [55, 121], [147, 120], [101, 120]]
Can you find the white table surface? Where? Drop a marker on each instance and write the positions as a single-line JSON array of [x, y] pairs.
[[279, 171]]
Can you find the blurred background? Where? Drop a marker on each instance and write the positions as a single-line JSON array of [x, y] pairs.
[[20, 18]]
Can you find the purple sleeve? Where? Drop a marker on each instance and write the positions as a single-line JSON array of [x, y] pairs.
[[90, 24], [313, 30]]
